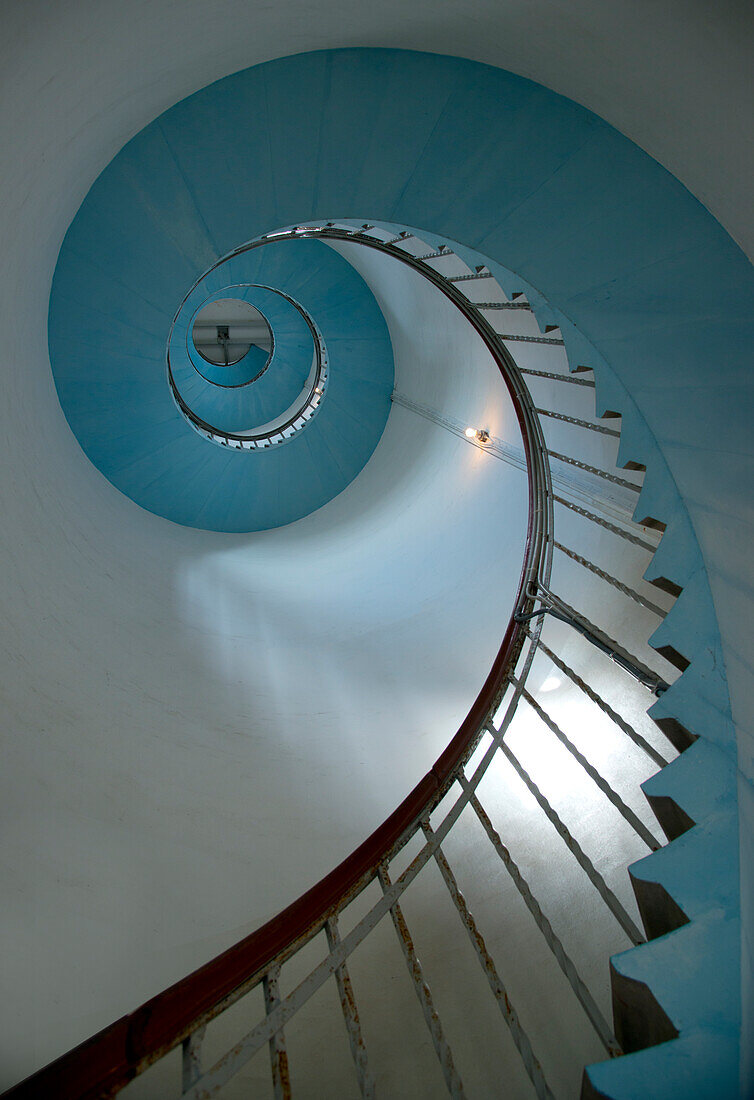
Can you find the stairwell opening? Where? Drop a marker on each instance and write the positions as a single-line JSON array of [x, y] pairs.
[[225, 330]]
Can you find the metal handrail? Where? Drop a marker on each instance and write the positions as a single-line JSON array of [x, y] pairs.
[[113, 1057], [105, 1063], [306, 409]]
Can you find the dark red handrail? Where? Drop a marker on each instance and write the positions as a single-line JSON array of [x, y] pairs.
[[105, 1063], [109, 1060]]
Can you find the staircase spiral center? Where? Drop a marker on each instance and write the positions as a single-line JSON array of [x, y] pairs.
[[225, 331]]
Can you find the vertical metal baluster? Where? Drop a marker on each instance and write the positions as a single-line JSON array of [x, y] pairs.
[[625, 589], [520, 1038], [607, 895], [351, 1016], [627, 535], [192, 1059], [625, 811], [598, 1021], [281, 1082], [444, 1055], [604, 706]]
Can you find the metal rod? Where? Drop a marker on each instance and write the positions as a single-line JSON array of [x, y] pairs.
[[432, 1020], [520, 1038], [281, 1083], [594, 470], [351, 1016], [604, 523], [590, 693], [246, 332], [625, 660], [532, 340], [499, 305], [191, 1058], [559, 609], [598, 1021], [610, 579], [607, 895], [633, 820], [578, 422], [231, 1062], [558, 377]]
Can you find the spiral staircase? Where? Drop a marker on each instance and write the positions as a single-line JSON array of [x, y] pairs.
[[612, 604]]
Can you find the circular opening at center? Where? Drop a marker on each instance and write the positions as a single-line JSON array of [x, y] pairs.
[[225, 330]]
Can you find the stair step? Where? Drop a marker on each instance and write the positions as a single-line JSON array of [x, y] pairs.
[[640, 1021]]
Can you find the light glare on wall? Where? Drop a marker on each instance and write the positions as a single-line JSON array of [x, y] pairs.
[[552, 683]]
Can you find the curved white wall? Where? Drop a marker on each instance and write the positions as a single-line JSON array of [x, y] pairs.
[[202, 725], [111, 680]]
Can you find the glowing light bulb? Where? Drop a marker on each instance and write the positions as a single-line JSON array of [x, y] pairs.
[[479, 435]]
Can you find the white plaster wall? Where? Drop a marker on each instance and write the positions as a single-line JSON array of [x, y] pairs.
[[110, 681], [198, 726]]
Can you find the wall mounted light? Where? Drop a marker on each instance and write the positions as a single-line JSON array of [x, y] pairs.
[[478, 435]]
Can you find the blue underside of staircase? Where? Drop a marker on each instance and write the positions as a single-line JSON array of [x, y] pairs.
[[606, 244], [108, 334], [234, 399]]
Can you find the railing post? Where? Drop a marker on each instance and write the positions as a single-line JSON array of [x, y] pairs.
[[351, 1015], [191, 1067], [281, 1083]]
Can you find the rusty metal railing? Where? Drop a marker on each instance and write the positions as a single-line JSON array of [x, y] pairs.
[[179, 1016]]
